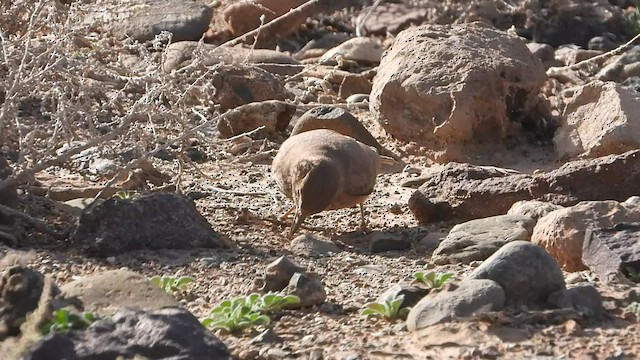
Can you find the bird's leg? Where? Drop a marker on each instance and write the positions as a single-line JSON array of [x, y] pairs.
[[363, 223], [286, 215], [298, 219]]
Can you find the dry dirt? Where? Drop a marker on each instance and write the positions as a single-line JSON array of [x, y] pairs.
[[352, 277]]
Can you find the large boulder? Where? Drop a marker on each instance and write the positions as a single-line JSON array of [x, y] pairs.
[[152, 221], [478, 239], [562, 232], [169, 333], [464, 192], [142, 20], [600, 119], [456, 87], [526, 273]]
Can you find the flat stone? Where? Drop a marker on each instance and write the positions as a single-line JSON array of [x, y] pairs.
[[479, 239], [108, 291], [381, 242], [312, 245]]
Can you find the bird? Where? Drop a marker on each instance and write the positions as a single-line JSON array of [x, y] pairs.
[[324, 170]]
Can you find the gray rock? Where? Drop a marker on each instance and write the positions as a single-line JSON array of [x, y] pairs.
[[142, 20], [108, 291], [308, 287], [169, 333], [478, 239], [153, 221], [608, 251], [312, 245], [527, 274], [533, 208], [469, 298], [583, 298], [412, 294], [277, 275], [602, 43], [381, 242]]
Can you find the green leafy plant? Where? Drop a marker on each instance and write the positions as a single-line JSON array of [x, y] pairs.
[[64, 320], [390, 309], [632, 23], [125, 194], [432, 279], [244, 312], [172, 283]]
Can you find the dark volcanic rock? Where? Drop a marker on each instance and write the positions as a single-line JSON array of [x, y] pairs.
[[152, 221], [608, 251], [169, 333], [464, 192]]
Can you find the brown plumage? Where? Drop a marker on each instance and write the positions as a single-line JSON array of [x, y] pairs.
[[324, 170]]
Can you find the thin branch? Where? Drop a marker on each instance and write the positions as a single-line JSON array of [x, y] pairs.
[[35, 223]]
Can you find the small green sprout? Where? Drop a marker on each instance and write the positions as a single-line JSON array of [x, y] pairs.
[[236, 315], [389, 309], [125, 194], [171, 283], [432, 279], [64, 320]]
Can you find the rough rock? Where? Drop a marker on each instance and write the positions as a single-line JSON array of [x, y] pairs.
[[532, 208], [277, 275], [574, 22], [612, 250], [245, 16], [312, 245], [391, 18], [464, 192], [600, 119], [20, 292], [477, 84], [237, 85], [412, 294], [336, 119], [181, 54], [355, 84], [308, 287], [360, 49], [615, 70], [479, 239], [469, 298], [321, 45], [152, 221], [142, 20], [108, 291], [571, 54], [544, 52], [273, 115], [169, 333], [526, 273], [562, 232], [583, 298], [381, 242]]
